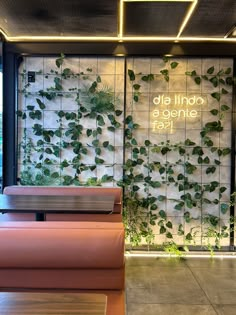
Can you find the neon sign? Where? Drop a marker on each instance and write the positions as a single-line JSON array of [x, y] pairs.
[[172, 110]]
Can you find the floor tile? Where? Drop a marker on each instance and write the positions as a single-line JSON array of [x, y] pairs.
[[173, 286], [170, 309], [218, 284], [225, 309], [211, 263], [163, 285]]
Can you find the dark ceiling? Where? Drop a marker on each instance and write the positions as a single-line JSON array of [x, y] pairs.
[[211, 18]]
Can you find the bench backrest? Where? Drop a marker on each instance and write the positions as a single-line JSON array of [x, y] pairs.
[[68, 191]]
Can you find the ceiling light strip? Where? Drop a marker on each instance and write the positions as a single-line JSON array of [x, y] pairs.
[[159, 0], [121, 19], [115, 38], [187, 17]]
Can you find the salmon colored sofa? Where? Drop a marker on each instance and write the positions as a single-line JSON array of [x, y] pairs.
[[116, 216], [65, 257]]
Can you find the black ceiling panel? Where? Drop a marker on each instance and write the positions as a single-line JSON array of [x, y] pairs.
[[59, 17], [212, 18], [154, 18]]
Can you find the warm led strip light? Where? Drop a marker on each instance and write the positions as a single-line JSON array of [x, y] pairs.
[[187, 255], [114, 39], [183, 25], [120, 37], [187, 17]]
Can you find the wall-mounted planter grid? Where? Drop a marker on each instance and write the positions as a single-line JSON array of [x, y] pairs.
[[159, 127]]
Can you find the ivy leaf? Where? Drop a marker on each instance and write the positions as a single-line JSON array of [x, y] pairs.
[[153, 207], [162, 230], [136, 87], [133, 141], [110, 148], [111, 128], [135, 98], [224, 207], [99, 79], [228, 71], [58, 85], [169, 225], [59, 61], [206, 160], [98, 151], [30, 107], [187, 217], [95, 143], [169, 235], [197, 80], [200, 160], [180, 177], [135, 188], [205, 77], [189, 142], [55, 175], [148, 78], [98, 160], [162, 170], [214, 112], [226, 151], [179, 206], [205, 200], [191, 73], [161, 198], [131, 75], [174, 64], [46, 172], [224, 108], [162, 214], [211, 169], [214, 81], [138, 178], [222, 189], [197, 151], [210, 70], [224, 91], [229, 81], [216, 95], [118, 112], [217, 162], [89, 132], [40, 103], [100, 120], [189, 237], [105, 144]]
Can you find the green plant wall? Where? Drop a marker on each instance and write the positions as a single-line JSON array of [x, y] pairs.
[[164, 137]]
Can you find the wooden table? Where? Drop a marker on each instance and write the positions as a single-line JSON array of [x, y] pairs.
[[22, 303], [40, 205]]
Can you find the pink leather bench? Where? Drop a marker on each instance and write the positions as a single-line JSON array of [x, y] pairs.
[[116, 216], [65, 256]]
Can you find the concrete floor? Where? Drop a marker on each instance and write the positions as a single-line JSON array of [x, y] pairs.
[[186, 286]]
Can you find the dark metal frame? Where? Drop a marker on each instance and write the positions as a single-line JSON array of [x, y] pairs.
[[12, 52]]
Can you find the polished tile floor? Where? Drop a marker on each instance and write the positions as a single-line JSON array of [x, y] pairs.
[[186, 286]]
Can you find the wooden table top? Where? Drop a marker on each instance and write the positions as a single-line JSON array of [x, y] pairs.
[[27, 303], [56, 204]]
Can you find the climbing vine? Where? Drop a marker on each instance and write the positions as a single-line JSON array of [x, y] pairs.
[[147, 172]]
